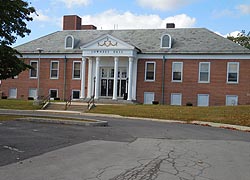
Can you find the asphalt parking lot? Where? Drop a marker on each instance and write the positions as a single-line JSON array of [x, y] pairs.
[[32, 147]]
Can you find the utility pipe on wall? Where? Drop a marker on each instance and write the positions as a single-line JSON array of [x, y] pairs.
[[163, 80], [64, 77]]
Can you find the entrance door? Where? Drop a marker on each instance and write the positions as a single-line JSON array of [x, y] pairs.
[[121, 87], [107, 81], [110, 87], [104, 87]]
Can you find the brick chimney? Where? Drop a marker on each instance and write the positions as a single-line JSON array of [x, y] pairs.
[[74, 22], [170, 25], [88, 27]]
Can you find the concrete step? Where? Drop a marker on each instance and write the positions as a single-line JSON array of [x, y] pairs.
[[80, 108], [61, 107]]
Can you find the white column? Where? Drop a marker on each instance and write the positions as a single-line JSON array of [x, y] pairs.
[[116, 62], [90, 78], [97, 76], [83, 78], [130, 78], [134, 79]]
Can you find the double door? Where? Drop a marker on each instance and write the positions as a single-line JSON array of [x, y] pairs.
[[107, 82]]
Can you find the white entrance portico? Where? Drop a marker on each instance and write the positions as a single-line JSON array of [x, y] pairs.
[[112, 68]]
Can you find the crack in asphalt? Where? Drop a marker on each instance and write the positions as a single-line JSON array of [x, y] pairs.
[[145, 172], [182, 164]]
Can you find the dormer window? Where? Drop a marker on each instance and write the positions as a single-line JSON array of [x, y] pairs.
[[69, 42], [166, 41]]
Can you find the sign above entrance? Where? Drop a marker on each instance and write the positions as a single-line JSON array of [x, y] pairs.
[[113, 52]]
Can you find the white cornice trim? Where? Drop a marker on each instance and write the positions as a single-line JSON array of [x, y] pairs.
[[149, 56], [52, 55], [203, 56]]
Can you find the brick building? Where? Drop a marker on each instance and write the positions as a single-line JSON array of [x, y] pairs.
[[173, 66]]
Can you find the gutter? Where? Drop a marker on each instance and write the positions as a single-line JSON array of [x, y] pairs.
[[163, 80], [64, 77]]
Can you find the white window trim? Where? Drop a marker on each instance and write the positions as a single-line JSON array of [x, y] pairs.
[[144, 95], [170, 41], [145, 76], [36, 69], [55, 90], [198, 100], [238, 75], [12, 97], [173, 71], [35, 97], [54, 69], [74, 69], [172, 99], [65, 42], [208, 81], [227, 104], [75, 90]]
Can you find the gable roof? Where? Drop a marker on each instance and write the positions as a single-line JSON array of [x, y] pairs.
[[184, 41]]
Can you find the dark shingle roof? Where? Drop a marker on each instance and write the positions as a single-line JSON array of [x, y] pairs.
[[185, 41]]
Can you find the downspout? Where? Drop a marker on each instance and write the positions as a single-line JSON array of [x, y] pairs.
[[163, 80], [64, 77]]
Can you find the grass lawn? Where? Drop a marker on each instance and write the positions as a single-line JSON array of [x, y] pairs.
[[237, 115], [9, 117], [17, 104]]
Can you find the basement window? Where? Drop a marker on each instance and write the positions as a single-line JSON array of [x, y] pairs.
[[69, 42]]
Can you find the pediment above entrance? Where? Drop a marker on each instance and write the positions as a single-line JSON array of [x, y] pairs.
[[108, 45], [107, 42]]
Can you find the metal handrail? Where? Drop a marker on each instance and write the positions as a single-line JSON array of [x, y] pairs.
[[91, 101], [68, 102], [45, 101]]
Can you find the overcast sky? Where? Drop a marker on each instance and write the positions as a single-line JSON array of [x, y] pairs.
[[220, 16]]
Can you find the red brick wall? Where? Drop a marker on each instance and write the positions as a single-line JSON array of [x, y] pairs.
[[72, 22], [23, 82], [217, 89]]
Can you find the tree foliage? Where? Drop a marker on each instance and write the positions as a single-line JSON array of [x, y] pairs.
[[13, 17], [242, 38]]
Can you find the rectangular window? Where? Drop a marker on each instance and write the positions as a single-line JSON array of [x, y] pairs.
[[33, 72], [33, 93], [203, 100], [53, 93], [231, 100], [13, 93], [76, 70], [149, 97], [75, 94], [54, 69], [232, 72], [150, 71], [204, 72], [177, 68], [176, 99]]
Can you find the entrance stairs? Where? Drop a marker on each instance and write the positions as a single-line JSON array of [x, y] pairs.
[[60, 106], [82, 106]]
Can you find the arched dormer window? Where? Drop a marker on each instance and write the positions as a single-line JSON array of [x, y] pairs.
[[69, 42], [166, 41]]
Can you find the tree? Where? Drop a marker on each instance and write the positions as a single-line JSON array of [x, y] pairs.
[[13, 17], [242, 38]]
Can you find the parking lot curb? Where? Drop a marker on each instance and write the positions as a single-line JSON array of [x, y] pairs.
[[81, 122]]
